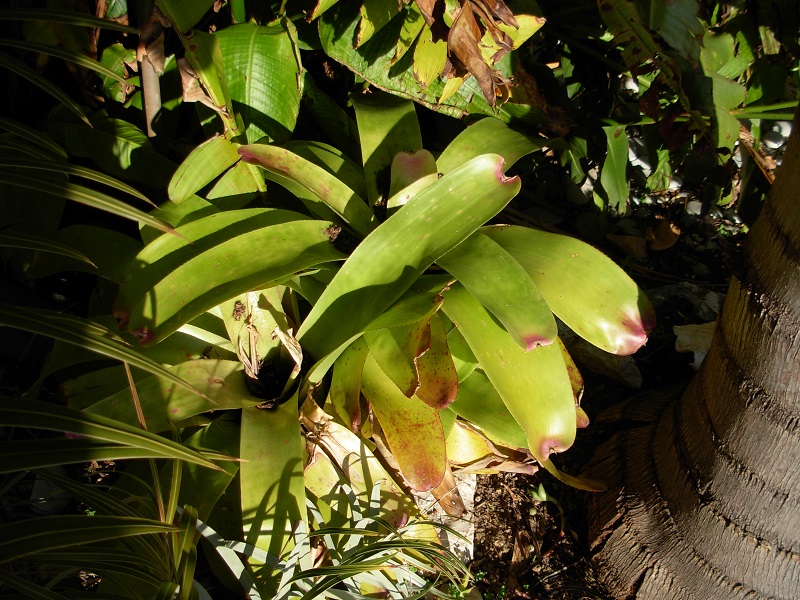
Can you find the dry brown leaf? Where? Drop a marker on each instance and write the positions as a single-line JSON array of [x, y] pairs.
[[636, 246], [663, 235]]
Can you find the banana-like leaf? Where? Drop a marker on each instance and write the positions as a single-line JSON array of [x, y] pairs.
[[84, 333], [397, 349], [489, 135], [438, 378], [41, 415], [82, 195], [498, 281], [271, 477], [480, 404], [534, 385], [205, 163], [582, 286], [345, 392], [221, 382], [386, 125], [21, 69], [217, 258], [205, 57], [11, 239], [413, 429], [184, 14], [29, 536], [73, 57], [393, 256], [262, 67], [328, 189], [613, 176]]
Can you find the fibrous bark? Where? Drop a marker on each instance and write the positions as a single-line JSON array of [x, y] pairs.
[[704, 498]]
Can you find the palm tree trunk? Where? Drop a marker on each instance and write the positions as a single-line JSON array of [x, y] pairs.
[[704, 498]]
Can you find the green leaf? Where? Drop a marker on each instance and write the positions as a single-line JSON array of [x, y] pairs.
[[489, 135], [203, 165], [498, 281], [534, 385], [393, 256], [29, 536], [374, 15], [430, 58], [332, 160], [438, 378], [271, 477], [412, 429], [184, 14], [116, 58], [677, 23], [397, 349], [480, 404], [41, 415], [73, 57], [345, 392], [11, 239], [263, 77], [613, 176], [216, 258], [386, 125], [323, 186], [221, 382], [30, 589], [80, 332], [117, 147], [18, 67], [66, 17], [582, 286], [204, 54], [31, 135]]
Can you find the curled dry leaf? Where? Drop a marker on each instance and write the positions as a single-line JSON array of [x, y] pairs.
[[662, 235], [474, 18]]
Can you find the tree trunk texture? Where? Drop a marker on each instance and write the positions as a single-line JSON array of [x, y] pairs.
[[704, 493]]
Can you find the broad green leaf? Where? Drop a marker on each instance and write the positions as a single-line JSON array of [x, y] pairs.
[[582, 286], [81, 332], [184, 14], [395, 254], [613, 176], [170, 284], [238, 187], [29, 536], [116, 146], [438, 378], [479, 403], [21, 69], [204, 55], [42, 415], [204, 487], [263, 77], [205, 163], [397, 349], [489, 135], [56, 52], [332, 160], [386, 125], [498, 281], [677, 23], [413, 24], [407, 169], [67, 17], [463, 357], [271, 478], [534, 385], [345, 392], [412, 429], [322, 185], [332, 119], [116, 58], [221, 382], [11, 239]]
